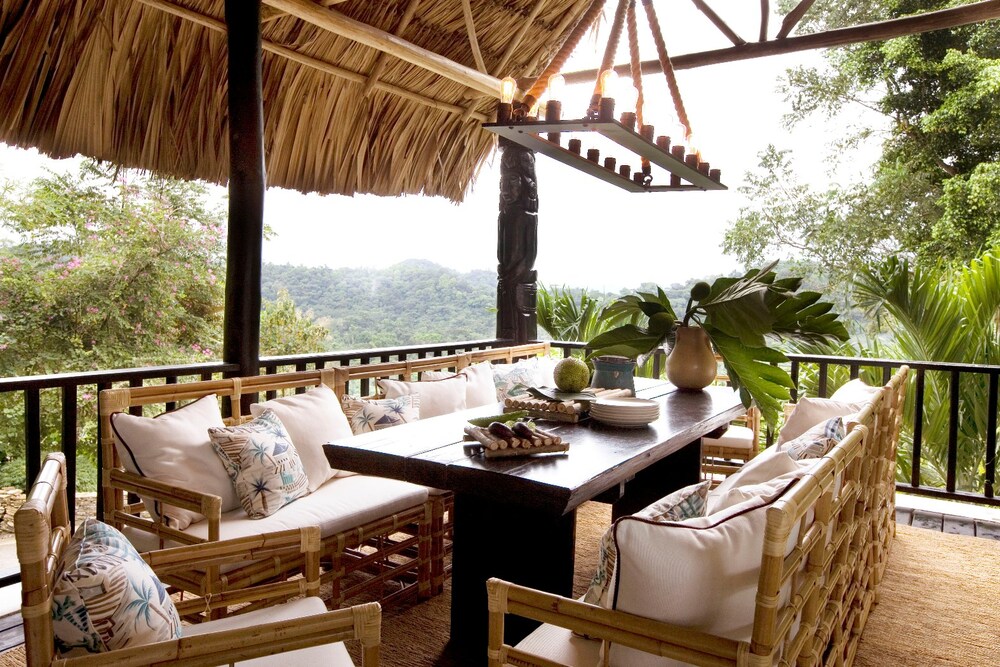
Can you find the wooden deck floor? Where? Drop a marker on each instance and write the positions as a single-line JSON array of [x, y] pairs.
[[948, 523], [11, 633]]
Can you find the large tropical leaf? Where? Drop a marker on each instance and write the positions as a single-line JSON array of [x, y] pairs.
[[627, 340], [753, 372]]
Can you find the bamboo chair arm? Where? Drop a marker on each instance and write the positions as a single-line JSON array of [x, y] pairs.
[[240, 549], [225, 647], [204, 503], [644, 634]]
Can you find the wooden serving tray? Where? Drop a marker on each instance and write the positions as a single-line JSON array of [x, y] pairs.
[[520, 451]]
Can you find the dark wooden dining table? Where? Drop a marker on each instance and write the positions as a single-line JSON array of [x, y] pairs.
[[515, 518]]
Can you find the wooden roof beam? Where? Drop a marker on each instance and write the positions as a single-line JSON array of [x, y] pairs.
[[869, 32], [470, 29], [793, 17], [273, 14], [337, 23], [718, 22], [315, 63], [382, 59]]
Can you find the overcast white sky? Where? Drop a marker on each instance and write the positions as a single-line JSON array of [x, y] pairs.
[[585, 226]]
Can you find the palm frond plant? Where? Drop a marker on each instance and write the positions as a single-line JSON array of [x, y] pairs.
[[940, 313], [740, 316]]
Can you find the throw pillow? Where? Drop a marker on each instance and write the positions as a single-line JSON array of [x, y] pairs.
[[262, 463], [441, 397], [767, 465], [855, 391], [513, 380], [105, 597], [367, 415], [811, 411], [311, 419], [479, 389], [817, 441], [174, 448], [682, 504]]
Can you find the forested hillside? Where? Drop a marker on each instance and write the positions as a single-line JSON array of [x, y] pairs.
[[411, 302]]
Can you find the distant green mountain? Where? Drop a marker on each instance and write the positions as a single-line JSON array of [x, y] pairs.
[[413, 302]]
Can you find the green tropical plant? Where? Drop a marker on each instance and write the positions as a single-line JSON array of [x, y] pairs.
[[739, 315], [565, 317], [938, 313]]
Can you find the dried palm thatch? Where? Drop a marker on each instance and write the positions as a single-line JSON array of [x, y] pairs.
[[142, 83]]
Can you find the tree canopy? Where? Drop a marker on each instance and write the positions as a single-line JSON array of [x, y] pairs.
[[934, 191]]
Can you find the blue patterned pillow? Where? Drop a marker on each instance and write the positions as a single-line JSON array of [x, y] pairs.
[[817, 441], [106, 597], [368, 415], [262, 463], [686, 503]]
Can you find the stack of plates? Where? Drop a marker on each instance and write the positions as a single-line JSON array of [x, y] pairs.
[[625, 412]]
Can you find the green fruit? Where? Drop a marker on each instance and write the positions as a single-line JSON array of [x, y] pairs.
[[571, 374], [661, 323], [700, 290]]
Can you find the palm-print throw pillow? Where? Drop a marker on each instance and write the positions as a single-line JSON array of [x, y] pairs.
[[817, 441], [262, 463], [106, 597], [513, 380], [366, 415], [686, 503]]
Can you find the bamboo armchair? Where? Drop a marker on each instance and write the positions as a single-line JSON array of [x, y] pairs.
[[43, 532]]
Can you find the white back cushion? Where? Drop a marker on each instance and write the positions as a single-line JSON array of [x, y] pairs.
[[311, 419], [810, 411], [174, 448], [701, 573], [479, 388], [855, 391], [440, 397]]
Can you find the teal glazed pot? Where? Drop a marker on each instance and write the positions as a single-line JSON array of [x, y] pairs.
[[614, 372]]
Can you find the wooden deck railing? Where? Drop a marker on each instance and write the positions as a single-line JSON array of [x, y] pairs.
[[815, 373], [55, 400]]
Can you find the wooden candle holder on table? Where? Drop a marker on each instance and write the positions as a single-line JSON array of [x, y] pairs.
[[564, 411], [495, 447]]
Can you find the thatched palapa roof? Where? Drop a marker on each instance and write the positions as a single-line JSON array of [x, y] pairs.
[[142, 83]]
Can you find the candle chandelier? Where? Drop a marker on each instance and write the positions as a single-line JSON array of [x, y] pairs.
[[636, 145]]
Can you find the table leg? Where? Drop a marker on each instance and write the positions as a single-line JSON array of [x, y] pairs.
[[681, 468], [514, 543]]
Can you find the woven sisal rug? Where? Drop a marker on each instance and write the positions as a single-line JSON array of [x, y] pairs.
[[940, 605]]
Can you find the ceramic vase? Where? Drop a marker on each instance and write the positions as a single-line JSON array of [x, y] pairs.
[[691, 363]]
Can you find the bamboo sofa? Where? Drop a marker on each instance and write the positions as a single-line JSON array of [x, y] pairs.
[[800, 596], [54, 577], [400, 536]]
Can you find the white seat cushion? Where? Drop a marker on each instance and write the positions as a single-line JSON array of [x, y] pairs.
[[562, 646], [735, 437], [332, 655], [340, 504]]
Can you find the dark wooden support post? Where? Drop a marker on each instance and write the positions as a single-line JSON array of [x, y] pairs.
[[241, 344], [517, 245]]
